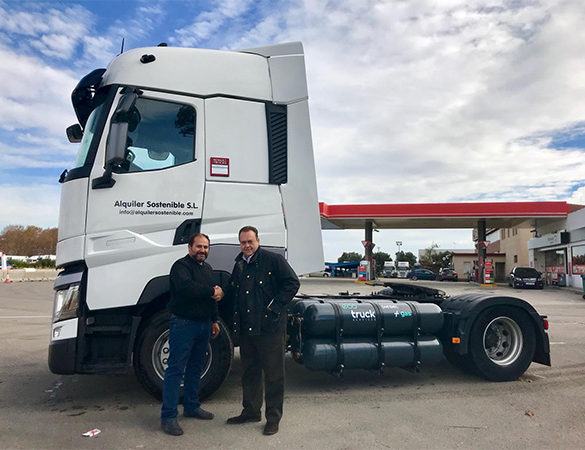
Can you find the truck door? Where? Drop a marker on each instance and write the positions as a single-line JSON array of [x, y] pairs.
[[137, 227]]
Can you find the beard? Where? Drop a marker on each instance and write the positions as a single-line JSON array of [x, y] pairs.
[[199, 257]]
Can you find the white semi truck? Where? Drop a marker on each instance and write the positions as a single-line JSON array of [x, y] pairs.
[[402, 269], [174, 141]]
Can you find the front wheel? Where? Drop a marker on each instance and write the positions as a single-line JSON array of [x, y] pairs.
[[502, 343], [414, 278], [152, 350]]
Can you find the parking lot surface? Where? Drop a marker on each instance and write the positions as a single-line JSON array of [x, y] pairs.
[[440, 407]]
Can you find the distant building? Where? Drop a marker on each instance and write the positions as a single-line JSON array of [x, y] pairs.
[[558, 250], [465, 263], [514, 244]]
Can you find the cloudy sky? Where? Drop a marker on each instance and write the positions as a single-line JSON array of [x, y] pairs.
[[411, 101]]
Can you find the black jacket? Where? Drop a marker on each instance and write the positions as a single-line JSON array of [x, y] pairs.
[[191, 290], [266, 280]]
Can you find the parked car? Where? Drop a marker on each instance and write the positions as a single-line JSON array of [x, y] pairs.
[[321, 273], [447, 274], [421, 274], [524, 277]]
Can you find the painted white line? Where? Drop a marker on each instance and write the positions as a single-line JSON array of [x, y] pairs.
[[557, 343]]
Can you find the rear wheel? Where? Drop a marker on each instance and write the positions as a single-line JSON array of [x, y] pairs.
[[414, 278], [502, 343], [152, 350]]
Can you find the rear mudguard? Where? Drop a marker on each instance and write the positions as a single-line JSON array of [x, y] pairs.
[[461, 312]]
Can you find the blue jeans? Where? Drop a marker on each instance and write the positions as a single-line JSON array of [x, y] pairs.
[[188, 341]]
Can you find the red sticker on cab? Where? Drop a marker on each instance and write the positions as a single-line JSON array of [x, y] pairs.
[[219, 167]]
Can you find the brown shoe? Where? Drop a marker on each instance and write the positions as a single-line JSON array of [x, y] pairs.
[[243, 419], [271, 428]]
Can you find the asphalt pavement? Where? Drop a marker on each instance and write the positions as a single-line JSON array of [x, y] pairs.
[[439, 407]]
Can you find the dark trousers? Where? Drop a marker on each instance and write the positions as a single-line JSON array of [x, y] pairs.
[[263, 354], [188, 341]]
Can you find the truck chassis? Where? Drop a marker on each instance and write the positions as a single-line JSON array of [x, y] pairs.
[[493, 337]]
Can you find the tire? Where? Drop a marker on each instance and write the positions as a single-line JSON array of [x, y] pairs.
[[502, 343], [151, 351], [414, 278]]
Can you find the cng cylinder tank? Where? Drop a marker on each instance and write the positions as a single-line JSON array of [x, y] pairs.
[[322, 354], [360, 318]]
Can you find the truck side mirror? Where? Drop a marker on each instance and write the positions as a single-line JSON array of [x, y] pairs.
[[116, 144], [74, 133]]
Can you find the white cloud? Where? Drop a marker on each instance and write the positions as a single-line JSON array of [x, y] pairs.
[[208, 23], [100, 48], [29, 205], [412, 102], [578, 196], [56, 45], [34, 95], [53, 32]]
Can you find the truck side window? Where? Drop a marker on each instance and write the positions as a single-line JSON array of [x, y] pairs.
[[160, 134]]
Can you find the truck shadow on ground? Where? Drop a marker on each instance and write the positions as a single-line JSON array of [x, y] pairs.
[[303, 380]]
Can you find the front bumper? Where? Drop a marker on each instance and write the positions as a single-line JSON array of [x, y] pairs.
[[530, 283], [62, 355]]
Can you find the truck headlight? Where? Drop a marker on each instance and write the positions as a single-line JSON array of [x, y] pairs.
[[66, 303]]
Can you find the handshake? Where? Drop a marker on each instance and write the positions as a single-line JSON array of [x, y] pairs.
[[217, 293]]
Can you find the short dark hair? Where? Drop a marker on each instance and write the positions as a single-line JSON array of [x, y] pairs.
[[248, 228], [196, 235]]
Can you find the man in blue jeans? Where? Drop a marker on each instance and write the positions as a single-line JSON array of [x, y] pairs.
[[193, 305]]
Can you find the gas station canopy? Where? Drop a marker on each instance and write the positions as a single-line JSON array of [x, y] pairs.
[[440, 215]]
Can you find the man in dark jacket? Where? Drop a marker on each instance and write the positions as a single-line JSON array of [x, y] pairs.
[[261, 285], [193, 305]]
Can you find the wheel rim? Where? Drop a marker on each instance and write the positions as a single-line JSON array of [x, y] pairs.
[[503, 341], [161, 351]]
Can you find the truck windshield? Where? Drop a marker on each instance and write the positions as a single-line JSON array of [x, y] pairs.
[[88, 133]]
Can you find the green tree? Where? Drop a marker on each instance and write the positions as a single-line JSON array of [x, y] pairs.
[[381, 258], [408, 256], [350, 256], [434, 260]]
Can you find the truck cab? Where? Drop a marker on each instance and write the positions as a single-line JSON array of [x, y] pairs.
[[174, 141]]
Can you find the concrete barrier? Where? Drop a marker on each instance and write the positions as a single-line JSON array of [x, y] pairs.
[[28, 274]]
